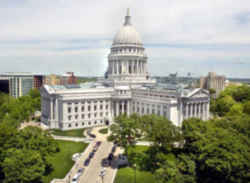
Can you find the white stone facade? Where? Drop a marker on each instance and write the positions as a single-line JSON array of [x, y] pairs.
[[127, 89]]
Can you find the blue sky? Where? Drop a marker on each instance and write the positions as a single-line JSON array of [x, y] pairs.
[[55, 36]]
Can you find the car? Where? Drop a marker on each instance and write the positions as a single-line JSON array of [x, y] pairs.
[[98, 143], [110, 157], [105, 162], [86, 162], [75, 178], [113, 149], [91, 155], [80, 170], [122, 160]]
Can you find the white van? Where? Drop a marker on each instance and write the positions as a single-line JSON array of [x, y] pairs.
[[75, 178]]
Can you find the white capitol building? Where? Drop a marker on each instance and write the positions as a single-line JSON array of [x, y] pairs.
[[126, 89]]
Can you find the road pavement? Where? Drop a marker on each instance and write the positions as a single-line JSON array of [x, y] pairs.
[[92, 172]]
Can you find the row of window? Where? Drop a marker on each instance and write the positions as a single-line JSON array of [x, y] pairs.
[[136, 50], [89, 116], [89, 108], [83, 124], [88, 101]]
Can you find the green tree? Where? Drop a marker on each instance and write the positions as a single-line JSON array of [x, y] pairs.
[[242, 94], [161, 131], [124, 132], [246, 107], [221, 153], [224, 104], [236, 109], [24, 166]]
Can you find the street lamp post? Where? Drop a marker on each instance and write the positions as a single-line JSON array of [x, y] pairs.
[[135, 172], [102, 174]]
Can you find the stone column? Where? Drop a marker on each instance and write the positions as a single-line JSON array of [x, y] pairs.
[[191, 110], [186, 113], [122, 103], [51, 109], [127, 64], [181, 114], [56, 110], [208, 106], [137, 66], [199, 110], [128, 108], [117, 108], [195, 108], [203, 112], [144, 67], [141, 67]]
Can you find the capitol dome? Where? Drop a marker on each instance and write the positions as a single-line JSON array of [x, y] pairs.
[[127, 34]]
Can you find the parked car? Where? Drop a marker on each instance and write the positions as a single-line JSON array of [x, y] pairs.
[[80, 170], [113, 149], [122, 160], [86, 162], [105, 162], [110, 157], [76, 178], [91, 155], [98, 143]]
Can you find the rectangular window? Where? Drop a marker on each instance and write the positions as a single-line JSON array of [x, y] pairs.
[[76, 109], [69, 118], [82, 116], [76, 116], [69, 109], [82, 108]]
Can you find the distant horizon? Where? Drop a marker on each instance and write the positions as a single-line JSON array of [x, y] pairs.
[[60, 74]]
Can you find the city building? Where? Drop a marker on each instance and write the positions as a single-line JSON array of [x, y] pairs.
[[38, 81], [19, 84], [66, 79], [213, 81], [52, 79], [4, 84], [126, 88]]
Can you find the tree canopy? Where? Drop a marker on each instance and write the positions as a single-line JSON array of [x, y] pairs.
[[23, 153]]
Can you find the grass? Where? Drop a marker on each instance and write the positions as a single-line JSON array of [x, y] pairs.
[[103, 131], [69, 133], [127, 174], [62, 161], [138, 149]]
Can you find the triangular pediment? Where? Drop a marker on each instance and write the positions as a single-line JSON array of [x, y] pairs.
[[201, 93]]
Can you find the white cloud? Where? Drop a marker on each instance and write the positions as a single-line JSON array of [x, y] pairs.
[[194, 30]]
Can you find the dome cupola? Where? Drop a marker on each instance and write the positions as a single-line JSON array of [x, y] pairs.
[[127, 35]]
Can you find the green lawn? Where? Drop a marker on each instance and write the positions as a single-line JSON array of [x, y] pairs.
[[127, 174], [103, 131], [138, 149], [69, 133], [62, 161]]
